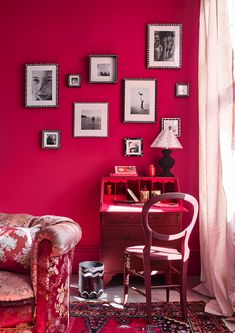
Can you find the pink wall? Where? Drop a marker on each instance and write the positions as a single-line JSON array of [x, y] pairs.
[[67, 181]]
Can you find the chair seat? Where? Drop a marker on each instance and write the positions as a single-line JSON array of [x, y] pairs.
[[157, 252], [16, 289]]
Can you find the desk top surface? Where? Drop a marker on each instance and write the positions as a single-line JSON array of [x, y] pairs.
[[137, 208]]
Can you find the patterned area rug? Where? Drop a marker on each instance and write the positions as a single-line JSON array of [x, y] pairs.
[[103, 317]]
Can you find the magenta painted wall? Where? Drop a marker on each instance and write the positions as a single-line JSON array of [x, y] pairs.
[[67, 181]]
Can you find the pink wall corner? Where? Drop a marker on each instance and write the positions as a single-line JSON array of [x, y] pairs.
[[67, 181]]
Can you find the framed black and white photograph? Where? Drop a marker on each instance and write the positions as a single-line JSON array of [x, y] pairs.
[[133, 146], [171, 123], [164, 45], [90, 119], [41, 85], [51, 139], [140, 100], [103, 68], [74, 80], [182, 89]]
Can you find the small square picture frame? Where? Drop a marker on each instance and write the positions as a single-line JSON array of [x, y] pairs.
[[103, 68], [172, 123], [51, 139], [133, 146], [74, 80], [182, 89]]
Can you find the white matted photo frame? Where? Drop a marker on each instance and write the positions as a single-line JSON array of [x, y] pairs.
[[172, 123], [133, 146], [74, 80], [90, 119], [103, 68], [182, 89], [126, 170], [50, 139], [140, 100], [164, 46], [41, 85]]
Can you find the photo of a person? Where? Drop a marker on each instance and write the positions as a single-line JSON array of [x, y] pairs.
[[90, 120], [51, 139], [164, 45], [41, 85], [157, 46], [140, 101]]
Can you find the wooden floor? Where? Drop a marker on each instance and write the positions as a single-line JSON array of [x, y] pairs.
[[113, 292]]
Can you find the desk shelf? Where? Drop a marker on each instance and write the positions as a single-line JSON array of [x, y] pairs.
[[115, 188]]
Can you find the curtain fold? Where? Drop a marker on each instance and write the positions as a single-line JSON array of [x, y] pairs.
[[216, 158]]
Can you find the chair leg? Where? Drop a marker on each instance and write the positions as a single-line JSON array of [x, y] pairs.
[[183, 289], [168, 280], [147, 281], [126, 276]]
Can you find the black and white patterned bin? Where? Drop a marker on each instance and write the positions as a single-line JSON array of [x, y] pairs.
[[91, 284]]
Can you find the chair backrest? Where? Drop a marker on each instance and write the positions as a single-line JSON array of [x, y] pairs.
[[184, 234]]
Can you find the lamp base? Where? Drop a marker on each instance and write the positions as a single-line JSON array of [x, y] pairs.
[[166, 162]]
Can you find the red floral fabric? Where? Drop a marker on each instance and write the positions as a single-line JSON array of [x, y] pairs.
[[15, 248], [16, 316], [14, 288], [49, 277]]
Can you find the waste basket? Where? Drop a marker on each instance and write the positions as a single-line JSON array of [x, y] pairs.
[[91, 284]]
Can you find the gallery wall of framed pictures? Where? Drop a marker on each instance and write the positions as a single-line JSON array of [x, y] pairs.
[[139, 95]]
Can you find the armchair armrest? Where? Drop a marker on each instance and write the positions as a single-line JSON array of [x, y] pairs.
[[63, 237], [51, 268]]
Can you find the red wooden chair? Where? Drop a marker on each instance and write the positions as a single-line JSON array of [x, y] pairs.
[[170, 249]]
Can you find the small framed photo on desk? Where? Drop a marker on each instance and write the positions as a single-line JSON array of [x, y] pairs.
[[125, 170]]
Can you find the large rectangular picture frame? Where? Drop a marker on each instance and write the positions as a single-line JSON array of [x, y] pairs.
[[164, 45], [90, 119], [103, 68], [140, 104], [41, 85]]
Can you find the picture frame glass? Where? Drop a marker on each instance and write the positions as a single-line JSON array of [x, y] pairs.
[[140, 100], [172, 123], [90, 119], [164, 46], [103, 69], [41, 85]]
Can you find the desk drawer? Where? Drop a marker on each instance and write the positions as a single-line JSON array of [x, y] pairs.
[[121, 218], [160, 219], [163, 219], [123, 236]]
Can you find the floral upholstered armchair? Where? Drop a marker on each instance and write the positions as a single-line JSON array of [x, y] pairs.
[[36, 254]]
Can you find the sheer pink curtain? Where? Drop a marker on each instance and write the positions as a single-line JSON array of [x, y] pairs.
[[216, 157]]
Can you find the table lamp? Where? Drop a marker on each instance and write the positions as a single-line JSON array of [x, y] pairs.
[[166, 140]]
